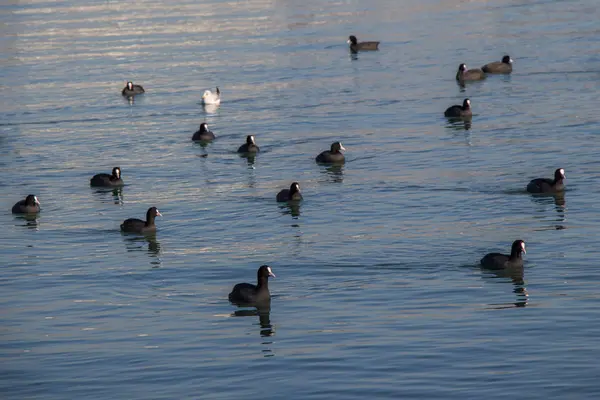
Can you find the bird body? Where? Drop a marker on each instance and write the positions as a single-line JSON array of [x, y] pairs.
[[211, 98], [543, 185], [499, 67], [134, 225], [496, 261], [108, 180], [291, 194], [249, 294], [333, 155], [203, 134], [250, 146], [463, 74], [457, 111], [29, 205], [131, 90], [356, 46]]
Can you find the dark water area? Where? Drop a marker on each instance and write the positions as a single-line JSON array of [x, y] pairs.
[[378, 293]]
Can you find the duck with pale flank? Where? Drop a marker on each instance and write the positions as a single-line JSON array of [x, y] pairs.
[[332, 156], [457, 111], [544, 185], [29, 205], [250, 146], [291, 194], [131, 90], [356, 46], [465, 75], [249, 294], [499, 67], [203, 134], [134, 225], [108, 180], [210, 98], [498, 261]]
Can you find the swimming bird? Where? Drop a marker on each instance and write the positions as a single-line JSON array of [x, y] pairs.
[[135, 225], [249, 294], [501, 261], [107, 180], [543, 185], [291, 194], [211, 98], [250, 146], [332, 156], [457, 111], [29, 205], [130, 89], [499, 67], [203, 134], [355, 46], [463, 74]]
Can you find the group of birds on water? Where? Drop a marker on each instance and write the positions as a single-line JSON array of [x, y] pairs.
[[253, 295]]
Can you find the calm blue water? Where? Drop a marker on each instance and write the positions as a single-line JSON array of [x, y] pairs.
[[378, 291]]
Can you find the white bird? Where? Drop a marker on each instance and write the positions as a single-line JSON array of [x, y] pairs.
[[211, 98]]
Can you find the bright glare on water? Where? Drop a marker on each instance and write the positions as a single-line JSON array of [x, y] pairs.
[[379, 293]]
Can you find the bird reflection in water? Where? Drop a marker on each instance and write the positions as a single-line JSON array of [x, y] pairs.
[[31, 221], [136, 243], [560, 206], [516, 276], [263, 311], [334, 173], [210, 108], [117, 193], [292, 208]]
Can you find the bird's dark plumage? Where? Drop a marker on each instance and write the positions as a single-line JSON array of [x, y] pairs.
[[457, 111], [463, 74], [356, 46], [29, 205], [502, 261], [249, 294], [543, 185], [131, 90], [135, 225], [332, 156], [250, 146], [291, 194], [203, 134], [106, 180], [499, 67]]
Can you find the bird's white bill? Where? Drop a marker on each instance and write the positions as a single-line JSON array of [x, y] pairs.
[[271, 272], [35, 200]]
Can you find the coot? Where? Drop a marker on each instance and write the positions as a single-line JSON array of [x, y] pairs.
[[543, 185], [291, 194], [463, 74], [211, 98], [106, 180], [203, 134], [250, 146], [499, 67], [249, 294], [501, 261], [130, 89], [356, 46], [135, 225], [457, 111], [29, 205], [334, 155]]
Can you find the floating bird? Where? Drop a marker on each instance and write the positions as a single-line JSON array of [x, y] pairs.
[[130, 89], [203, 134], [135, 225], [29, 205], [463, 74], [457, 111], [499, 67], [211, 98], [543, 185], [249, 294], [502, 261], [291, 194], [332, 156], [355, 46], [107, 180]]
